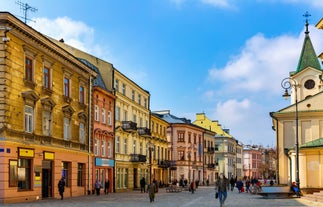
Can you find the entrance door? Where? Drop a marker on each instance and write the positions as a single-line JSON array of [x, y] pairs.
[[135, 173], [47, 179]]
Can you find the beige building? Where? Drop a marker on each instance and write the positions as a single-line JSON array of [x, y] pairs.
[[44, 116], [224, 145], [185, 148], [209, 164], [302, 123]]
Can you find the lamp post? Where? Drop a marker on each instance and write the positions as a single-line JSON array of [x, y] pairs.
[[150, 147], [287, 84]]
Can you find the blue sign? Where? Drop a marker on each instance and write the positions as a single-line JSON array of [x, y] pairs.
[[104, 162]]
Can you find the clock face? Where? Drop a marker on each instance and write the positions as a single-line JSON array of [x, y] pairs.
[[309, 84]]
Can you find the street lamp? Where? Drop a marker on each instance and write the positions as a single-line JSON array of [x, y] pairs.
[[189, 165], [288, 84], [150, 147]]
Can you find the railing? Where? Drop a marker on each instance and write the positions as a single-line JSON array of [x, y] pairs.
[[164, 163], [137, 158], [211, 166], [143, 131], [210, 149], [129, 126]]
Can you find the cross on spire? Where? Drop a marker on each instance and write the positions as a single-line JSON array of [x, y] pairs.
[[306, 15]]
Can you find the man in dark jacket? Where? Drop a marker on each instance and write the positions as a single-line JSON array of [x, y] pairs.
[[61, 187], [142, 184], [221, 186]]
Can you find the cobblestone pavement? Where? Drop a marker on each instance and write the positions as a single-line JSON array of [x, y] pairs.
[[204, 196]]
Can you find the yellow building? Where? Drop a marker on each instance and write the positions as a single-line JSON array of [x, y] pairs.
[[161, 163], [44, 116], [299, 126], [224, 146], [132, 134]]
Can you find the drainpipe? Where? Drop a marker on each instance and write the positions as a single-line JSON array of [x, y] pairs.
[[89, 134]]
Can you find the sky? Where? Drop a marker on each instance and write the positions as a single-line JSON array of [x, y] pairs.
[[224, 58]]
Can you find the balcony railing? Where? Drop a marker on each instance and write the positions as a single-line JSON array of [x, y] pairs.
[[164, 163], [210, 149], [137, 158], [211, 166], [143, 131], [129, 126]]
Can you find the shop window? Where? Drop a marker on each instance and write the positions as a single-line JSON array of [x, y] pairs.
[[24, 174], [80, 174], [13, 173], [66, 172]]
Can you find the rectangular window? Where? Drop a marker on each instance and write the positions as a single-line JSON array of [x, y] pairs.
[[66, 173], [82, 95], [13, 173], [109, 118], [96, 147], [103, 148], [133, 95], [67, 128], [109, 149], [145, 103], [66, 87], [140, 148], [117, 113], [29, 69], [134, 146], [96, 113], [181, 155], [24, 174], [140, 122], [104, 118], [125, 115], [116, 85], [134, 118], [80, 174], [125, 146], [180, 137], [123, 89], [139, 99], [29, 119], [46, 123], [46, 78], [117, 144], [82, 133]]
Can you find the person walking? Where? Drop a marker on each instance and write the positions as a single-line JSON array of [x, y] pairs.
[[106, 186], [142, 185], [151, 191], [61, 187], [97, 187], [192, 186], [221, 186], [240, 185], [232, 182]]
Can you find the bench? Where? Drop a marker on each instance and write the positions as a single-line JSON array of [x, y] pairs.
[[173, 189], [276, 192]]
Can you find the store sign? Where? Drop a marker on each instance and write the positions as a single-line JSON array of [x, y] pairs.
[[104, 162], [48, 155], [23, 152]]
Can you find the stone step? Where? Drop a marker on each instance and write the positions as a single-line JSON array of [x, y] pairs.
[[316, 197]]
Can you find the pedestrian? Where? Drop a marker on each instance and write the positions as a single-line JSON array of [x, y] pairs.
[[248, 186], [142, 185], [152, 190], [232, 182], [192, 186], [221, 186], [97, 187], [61, 187], [240, 185], [106, 186]]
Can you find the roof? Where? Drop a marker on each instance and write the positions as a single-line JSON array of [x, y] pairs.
[[171, 118], [312, 144], [308, 57], [98, 81]]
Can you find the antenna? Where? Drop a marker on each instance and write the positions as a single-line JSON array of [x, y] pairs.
[[25, 7]]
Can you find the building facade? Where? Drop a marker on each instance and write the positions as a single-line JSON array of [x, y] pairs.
[[44, 120], [185, 148], [299, 126]]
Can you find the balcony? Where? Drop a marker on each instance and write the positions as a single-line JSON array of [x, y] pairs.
[[143, 131], [172, 165], [164, 163], [129, 126], [137, 158], [211, 166], [210, 149]]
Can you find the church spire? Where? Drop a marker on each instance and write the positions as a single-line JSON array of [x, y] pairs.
[[308, 57]]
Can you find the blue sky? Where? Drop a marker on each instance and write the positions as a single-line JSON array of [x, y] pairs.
[[225, 58]]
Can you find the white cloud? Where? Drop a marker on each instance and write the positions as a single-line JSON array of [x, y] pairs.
[[218, 3], [74, 33], [233, 111], [261, 61]]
